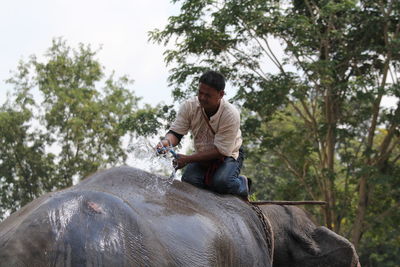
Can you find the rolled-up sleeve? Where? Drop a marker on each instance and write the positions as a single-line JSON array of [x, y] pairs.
[[181, 125]]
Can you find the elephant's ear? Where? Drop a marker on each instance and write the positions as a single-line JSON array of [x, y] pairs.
[[299, 242], [322, 248], [306, 241], [335, 248]]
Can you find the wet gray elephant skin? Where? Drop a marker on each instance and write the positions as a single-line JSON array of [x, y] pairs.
[[127, 217]]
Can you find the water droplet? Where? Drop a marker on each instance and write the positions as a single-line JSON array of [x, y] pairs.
[[142, 154]]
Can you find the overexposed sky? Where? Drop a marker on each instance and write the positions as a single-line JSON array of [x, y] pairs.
[[120, 27]]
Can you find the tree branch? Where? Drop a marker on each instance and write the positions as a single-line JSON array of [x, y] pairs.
[[300, 62], [293, 170], [396, 159], [381, 216], [284, 202], [300, 113], [268, 52]]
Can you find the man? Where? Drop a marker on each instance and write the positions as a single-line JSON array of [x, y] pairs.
[[215, 127]]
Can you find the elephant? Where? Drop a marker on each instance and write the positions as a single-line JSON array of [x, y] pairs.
[[125, 216], [299, 242]]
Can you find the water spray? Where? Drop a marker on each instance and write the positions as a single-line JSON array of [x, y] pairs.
[[162, 150]]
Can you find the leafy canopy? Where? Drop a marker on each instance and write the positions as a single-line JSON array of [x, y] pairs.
[[64, 121], [312, 111]]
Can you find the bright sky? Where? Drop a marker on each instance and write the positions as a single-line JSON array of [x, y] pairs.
[[120, 27]]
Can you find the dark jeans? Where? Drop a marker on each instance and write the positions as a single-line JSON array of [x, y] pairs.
[[226, 179]]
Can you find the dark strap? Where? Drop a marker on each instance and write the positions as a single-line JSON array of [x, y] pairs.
[[269, 233], [212, 168], [179, 136], [207, 120], [215, 164]]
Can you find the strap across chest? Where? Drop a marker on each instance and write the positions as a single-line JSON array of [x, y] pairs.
[[207, 121]]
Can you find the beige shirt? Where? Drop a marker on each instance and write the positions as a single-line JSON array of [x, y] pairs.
[[225, 123]]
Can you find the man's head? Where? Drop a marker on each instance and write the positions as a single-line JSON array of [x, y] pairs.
[[213, 79], [211, 90]]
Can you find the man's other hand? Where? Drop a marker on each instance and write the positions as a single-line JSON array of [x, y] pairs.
[[181, 161]]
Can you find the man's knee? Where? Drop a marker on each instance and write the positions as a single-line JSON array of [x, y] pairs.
[[193, 175], [222, 185]]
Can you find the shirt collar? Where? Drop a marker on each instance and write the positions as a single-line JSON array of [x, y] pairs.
[[220, 108]]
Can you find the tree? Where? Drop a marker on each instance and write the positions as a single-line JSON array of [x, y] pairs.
[[73, 126], [341, 58], [25, 168]]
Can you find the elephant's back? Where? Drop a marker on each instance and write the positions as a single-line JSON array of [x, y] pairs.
[[128, 217], [76, 228]]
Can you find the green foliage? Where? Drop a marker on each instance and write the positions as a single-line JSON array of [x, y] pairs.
[[25, 168], [148, 121], [314, 125], [70, 129]]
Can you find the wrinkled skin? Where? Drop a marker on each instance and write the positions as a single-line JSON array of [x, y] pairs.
[[299, 242], [127, 217]]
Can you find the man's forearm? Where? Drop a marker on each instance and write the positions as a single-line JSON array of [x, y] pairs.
[[201, 156], [206, 155], [173, 140]]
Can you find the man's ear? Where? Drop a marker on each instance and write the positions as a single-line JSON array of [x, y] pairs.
[[221, 93]]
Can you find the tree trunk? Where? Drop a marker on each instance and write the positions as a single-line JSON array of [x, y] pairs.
[[330, 116], [361, 211]]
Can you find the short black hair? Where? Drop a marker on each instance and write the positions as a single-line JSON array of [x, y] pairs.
[[213, 79]]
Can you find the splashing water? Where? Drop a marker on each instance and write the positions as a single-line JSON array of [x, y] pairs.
[[143, 154]]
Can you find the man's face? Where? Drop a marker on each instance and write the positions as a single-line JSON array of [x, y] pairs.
[[209, 97]]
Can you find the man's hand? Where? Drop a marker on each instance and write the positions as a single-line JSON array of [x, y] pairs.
[[168, 141], [161, 146], [181, 161]]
